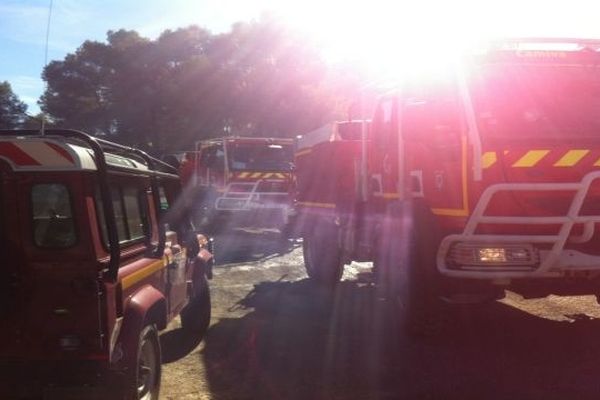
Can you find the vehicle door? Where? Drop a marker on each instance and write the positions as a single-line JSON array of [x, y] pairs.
[[384, 153], [176, 228], [56, 279], [213, 159], [435, 144]]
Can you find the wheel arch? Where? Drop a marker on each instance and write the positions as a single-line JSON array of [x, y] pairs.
[[148, 306]]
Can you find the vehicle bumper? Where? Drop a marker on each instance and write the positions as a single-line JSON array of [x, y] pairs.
[[551, 262]]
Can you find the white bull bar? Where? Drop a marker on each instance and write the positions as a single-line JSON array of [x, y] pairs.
[[235, 199], [554, 262]]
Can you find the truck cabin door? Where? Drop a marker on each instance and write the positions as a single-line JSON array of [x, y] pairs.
[[212, 159], [434, 134], [384, 151]]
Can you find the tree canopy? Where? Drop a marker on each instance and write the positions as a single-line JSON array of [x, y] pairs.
[[259, 79], [12, 110]]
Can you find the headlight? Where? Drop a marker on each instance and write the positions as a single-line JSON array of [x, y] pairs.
[[475, 254]]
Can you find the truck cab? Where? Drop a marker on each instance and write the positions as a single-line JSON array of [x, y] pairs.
[[481, 179], [99, 259], [243, 181]]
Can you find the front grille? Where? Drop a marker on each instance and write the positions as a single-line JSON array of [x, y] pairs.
[[273, 187]]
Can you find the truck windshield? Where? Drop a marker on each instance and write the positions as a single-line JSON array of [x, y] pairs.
[[537, 101], [260, 156]]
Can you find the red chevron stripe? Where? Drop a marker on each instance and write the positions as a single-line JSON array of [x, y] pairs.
[[16, 155]]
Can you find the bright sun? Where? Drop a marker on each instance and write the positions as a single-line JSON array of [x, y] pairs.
[[395, 38]]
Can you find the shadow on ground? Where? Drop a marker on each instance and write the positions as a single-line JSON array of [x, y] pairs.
[[177, 343], [303, 342], [241, 245]]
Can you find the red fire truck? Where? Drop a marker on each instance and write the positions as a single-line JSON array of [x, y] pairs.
[[482, 179], [245, 181], [99, 256]]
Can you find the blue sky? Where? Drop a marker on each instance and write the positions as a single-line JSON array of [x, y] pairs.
[[23, 29]]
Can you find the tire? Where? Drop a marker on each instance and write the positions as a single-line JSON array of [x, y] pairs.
[[406, 264], [144, 379], [195, 317], [322, 257]]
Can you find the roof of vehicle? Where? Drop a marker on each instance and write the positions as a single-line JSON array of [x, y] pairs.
[[333, 131], [246, 139], [54, 152]]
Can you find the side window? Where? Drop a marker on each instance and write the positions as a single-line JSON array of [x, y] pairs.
[[384, 127], [164, 201], [130, 213], [214, 157], [115, 194], [433, 115], [53, 224], [134, 215]]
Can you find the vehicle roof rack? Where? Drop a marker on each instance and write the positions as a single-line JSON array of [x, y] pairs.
[[153, 163]]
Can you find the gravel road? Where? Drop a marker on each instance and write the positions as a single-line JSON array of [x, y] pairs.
[[273, 335]]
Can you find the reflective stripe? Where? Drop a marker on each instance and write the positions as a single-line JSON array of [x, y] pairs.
[[314, 204], [488, 159], [44, 154], [571, 158], [142, 273], [531, 158]]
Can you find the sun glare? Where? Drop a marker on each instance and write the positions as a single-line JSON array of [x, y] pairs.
[[393, 39]]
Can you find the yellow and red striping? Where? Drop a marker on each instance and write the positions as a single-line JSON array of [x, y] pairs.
[[260, 175], [542, 158]]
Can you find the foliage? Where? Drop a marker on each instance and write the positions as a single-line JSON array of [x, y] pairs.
[[12, 110], [259, 79]]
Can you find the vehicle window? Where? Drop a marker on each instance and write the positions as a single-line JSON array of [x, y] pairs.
[[537, 101], [53, 224], [383, 129], [130, 213], [119, 214], [260, 156], [214, 157], [133, 212], [164, 201], [432, 114]]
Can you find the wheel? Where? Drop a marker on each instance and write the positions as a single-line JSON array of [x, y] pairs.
[[406, 263], [145, 377], [195, 317], [322, 258]]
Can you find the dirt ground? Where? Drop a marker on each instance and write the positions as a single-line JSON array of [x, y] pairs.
[[273, 335]]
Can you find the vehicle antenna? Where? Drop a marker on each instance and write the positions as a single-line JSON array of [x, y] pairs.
[[43, 127]]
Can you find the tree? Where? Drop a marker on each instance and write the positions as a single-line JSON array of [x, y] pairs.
[[12, 110], [260, 79]]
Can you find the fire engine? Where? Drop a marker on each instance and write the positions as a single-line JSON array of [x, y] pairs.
[[244, 181], [99, 256], [483, 179]]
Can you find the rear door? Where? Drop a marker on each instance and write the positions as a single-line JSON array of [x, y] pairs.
[[12, 273], [57, 280]]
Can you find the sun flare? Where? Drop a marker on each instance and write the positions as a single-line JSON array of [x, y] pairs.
[[393, 39]]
